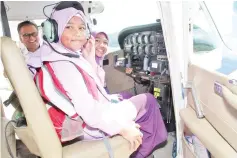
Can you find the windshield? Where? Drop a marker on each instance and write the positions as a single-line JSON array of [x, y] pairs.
[[118, 15], [224, 14]]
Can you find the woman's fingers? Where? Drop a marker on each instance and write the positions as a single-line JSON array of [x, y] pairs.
[[135, 143], [137, 125], [139, 138], [91, 37], [88, 50], [133, 135], [91, 41]]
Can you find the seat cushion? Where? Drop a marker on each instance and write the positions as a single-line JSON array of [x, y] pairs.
[[97, 149]]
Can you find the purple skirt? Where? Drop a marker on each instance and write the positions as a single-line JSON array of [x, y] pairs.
[[151, 122]]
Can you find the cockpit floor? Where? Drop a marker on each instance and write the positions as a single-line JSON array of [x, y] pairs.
[[166, 151]]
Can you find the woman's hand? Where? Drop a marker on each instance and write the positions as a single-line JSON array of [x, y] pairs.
[[88, 50], [133, 135], [120, 97]]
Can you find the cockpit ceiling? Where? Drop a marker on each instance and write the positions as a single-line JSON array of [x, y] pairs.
[[22, 10]]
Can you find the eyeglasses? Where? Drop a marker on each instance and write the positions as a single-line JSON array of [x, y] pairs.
[[28, 35]]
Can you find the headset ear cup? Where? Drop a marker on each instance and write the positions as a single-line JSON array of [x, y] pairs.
[[55, 24], [50, 30]]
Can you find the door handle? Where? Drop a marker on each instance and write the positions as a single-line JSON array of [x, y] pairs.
[[198, 109]]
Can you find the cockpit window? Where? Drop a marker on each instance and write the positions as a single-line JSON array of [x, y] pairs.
[[224, 15], [215, 37], [204, 38], [118, 15]]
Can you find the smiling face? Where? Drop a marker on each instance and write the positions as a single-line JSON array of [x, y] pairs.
[[101, 44], [74, 34], [29, 37]]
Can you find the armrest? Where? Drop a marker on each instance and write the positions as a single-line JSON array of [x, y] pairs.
[[210, 138]]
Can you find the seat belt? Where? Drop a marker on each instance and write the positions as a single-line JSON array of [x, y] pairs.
[[108, 145]]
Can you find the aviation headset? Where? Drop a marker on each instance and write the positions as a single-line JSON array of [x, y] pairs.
[[50, 26]]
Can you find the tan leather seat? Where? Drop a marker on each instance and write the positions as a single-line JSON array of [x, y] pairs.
[[96, 149], [40, 136]]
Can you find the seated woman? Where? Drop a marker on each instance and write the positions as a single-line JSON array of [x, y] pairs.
[[137, 119], [101, 47]]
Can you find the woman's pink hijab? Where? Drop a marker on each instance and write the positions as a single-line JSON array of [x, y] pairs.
[[101, 32], [99, 59], [62, 17]]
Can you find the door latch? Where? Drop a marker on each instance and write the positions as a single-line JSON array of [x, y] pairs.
[[198, 109]]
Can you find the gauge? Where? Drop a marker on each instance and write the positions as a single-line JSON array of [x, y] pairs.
[[140, 39], [134, 49], [134, 39], [128, 49], [146, 39], [153, 38], [125, 42], [153, 50], [156, 38], [128, 41], [140, 50], [148, 49]]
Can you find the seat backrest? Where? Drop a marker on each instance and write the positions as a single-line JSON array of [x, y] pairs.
[[38, 120]]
